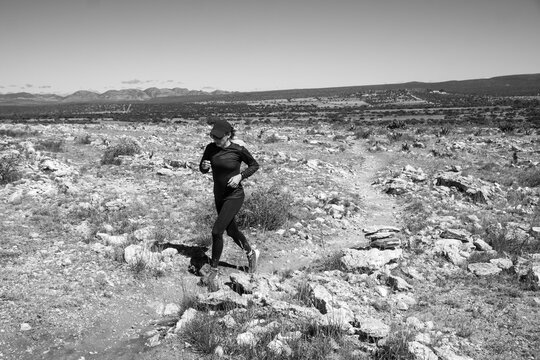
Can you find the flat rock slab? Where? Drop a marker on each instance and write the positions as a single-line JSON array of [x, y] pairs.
[[458, 234], [484, 269], [372, 259], [373, 328], [379, 228], [223, 299]]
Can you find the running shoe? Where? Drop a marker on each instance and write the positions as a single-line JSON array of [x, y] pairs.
[[253, 260]]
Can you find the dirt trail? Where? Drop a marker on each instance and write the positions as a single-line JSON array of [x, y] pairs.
[[378, 209]]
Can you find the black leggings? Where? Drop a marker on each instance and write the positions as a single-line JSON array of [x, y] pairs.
[[227, 210]]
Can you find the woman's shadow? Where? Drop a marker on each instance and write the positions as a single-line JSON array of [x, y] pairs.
[[197, 255]]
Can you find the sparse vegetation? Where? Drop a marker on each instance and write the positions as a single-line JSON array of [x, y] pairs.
[[9, 168], [52, 145], [267, 208], [127, 147]]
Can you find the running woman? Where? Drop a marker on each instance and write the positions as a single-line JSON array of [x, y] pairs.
[[224, 158]]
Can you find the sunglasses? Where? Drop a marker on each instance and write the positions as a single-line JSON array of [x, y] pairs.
[[215, 137]]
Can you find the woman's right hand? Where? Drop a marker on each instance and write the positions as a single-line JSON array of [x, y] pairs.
[[206, 164]]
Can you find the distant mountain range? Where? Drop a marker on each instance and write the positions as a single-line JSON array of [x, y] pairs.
[[84, 96], [511, 85]]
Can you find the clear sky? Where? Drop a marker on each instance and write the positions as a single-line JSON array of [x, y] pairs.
[[61, 46]]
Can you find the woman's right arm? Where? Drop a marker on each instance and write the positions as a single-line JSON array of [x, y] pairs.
[[205, 157]]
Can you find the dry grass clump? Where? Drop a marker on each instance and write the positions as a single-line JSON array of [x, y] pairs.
[[17, 133], [363, 133], [207, 331], [52, 145], [85, 139], [266, 208], [126, 147], [9, 164], [395, 346]]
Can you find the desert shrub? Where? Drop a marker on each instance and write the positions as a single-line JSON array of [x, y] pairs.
[[396, 124], [395, 347], [52, 145], [85, 139], [507, 127], [17, 132], [529, 177], [271, 139], [124, 147], [445, 131], [267, 208], [363, 133], [9, 165]]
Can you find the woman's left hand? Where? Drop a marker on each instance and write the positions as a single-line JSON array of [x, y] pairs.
[[235, 181]]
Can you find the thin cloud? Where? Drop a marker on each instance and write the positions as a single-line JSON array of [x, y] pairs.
[[45, 87], [29, 85], [132, 82], [209, 88]]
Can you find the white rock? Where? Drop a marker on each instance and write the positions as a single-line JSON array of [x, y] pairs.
[[246, 339], [26, 327], [445, 353], [165, 172], [133, 253], [373, 328], [171, 309], [186, 317], [484, 269], [372, 259], [502, 263], [277, 347], [421, 351]]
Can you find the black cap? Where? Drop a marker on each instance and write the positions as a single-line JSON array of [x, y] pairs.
[[221, 127]]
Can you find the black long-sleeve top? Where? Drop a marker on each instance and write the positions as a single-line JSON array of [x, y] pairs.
[[225, 164]]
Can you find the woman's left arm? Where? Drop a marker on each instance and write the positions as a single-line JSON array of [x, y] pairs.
[[252, 164]]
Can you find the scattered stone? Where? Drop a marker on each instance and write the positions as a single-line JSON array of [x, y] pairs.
[[165, 172], [26, 327], [505, 264], [246, 339], [186, 317], [153, 341], [484, 269], [223, 299], [458, 234], [219, 352], [446, 353], [372, 328], [421, 351], [113, 240], [379, 228], [397, 283], [467, 185], [320, 297], [415, 323], [171, 309], [133, 253], [144, 234], [481, 245], [278, 347]]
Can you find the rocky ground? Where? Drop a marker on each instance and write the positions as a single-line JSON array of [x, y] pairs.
[[421, 243]]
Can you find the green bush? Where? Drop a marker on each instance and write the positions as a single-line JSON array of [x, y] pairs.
[[9, 172], [267, 208], [124, 147]]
